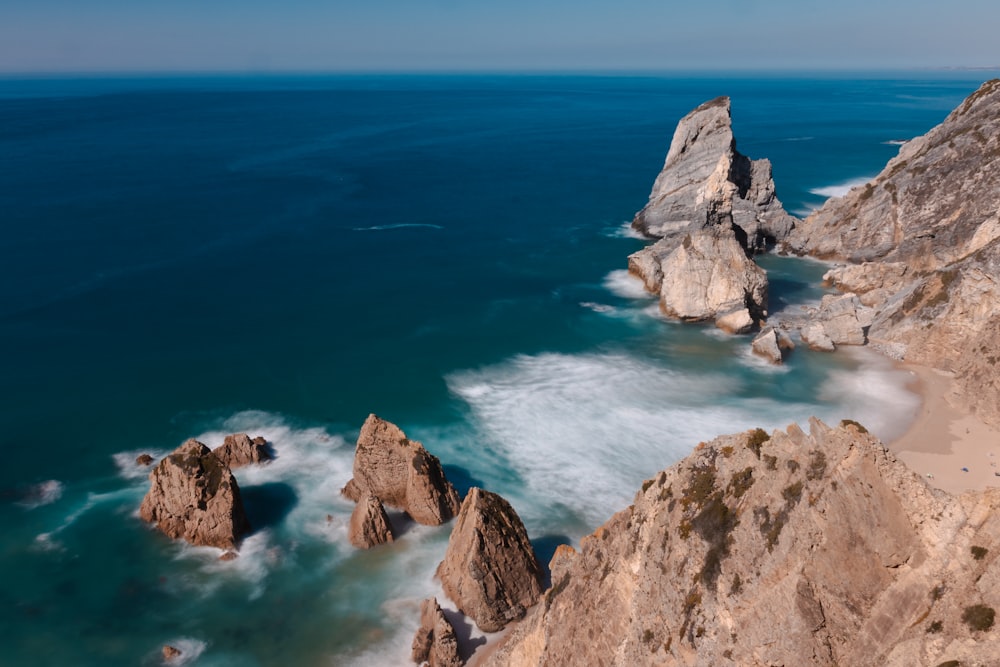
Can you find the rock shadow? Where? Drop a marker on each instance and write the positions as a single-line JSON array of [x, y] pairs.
[[545, 547], [467, 644], [461, 479], [400, 521], [268, 504]]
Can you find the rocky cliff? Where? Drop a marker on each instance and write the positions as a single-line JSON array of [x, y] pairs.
[[710, 208], [920, 247], [792, 548]]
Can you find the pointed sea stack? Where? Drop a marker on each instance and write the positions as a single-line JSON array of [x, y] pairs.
[[401, 473], [490, 569]]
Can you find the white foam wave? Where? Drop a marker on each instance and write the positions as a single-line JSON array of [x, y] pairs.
[[625, 231], [799, 139], [840, 189], [129, 469], [622, 283], [602, 308], [590, 428], [895, 142], [874, 394], [43, 493], [47, 540], [401, 225]]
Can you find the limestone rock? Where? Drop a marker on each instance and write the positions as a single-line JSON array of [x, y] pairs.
[[772, 343], [194, 496], [922, 246], [144, 460], [709, 275], [490, 570], [796, 548], [369, 525], [170, 653], [238, 450], [435, 643], [703, 168], [815, 336], [401, 473]]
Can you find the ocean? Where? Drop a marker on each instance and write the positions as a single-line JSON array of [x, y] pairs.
[[282, 255]]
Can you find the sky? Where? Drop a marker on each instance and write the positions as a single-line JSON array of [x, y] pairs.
[[493, 35]]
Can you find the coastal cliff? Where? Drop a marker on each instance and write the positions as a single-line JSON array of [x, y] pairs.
[[920, 246], [791, 548]]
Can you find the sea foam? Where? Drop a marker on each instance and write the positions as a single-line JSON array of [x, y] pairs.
[[840, 189], [43, 493], [622, 283]]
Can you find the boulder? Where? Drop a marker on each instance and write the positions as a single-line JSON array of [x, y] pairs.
[[238, 450], [171, 653], [144, 460], [369, 524], [194, 496], [435, 643], [401, 473], [490, 570], [772, 343]]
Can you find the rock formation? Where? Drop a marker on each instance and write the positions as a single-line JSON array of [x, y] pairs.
[[170, 653], [710, 209], [369, 525], [435, 643], [238, 450], [839, 320], [921, 244], [795, 548], [400, 473], [194, 496], [490, 570], [772, 344], [144, 460]]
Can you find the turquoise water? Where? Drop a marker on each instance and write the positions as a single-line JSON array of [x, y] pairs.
[[192, 257]]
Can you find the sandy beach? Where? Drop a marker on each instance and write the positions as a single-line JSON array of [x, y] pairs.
[[954, 450]]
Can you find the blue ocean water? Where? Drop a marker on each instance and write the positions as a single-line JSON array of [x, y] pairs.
[[189, 257]]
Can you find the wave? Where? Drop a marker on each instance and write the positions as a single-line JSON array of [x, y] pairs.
[[840, 189], [895, 142], [189, 647], [43, 493], [600, 308], [622, 283], [401, 225], [625, 231]]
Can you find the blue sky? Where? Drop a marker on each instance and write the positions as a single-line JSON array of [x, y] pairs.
[[365, 35]]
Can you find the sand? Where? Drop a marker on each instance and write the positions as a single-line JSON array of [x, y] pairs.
[[950, 448]]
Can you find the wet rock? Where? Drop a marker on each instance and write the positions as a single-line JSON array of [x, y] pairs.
[[401, 473], [144, 460], [171, 653], [435, 643], [239, 449], [369, 524], [772, 344], [194, 496], [490, 569]]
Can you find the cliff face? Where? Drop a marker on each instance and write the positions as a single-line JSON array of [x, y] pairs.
[[795, 549], [710, 208], [921, 243]]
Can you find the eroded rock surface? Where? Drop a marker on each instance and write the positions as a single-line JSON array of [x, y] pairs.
[[772, 344], [710, 208], [194, 496], [435, 643], [369, 524], [922, 247], [490, 569], [239, 450], [796, 548], [401, 473]]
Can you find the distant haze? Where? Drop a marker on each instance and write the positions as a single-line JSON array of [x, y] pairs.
[[459, 35]]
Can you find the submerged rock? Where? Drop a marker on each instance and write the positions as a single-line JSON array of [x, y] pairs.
[[144, 460], [239, 449], [490, 569], [400, 473], [369, 524], [194, 496], [171, 653], [435, 643]]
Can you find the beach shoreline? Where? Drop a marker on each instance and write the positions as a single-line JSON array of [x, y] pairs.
[[950, 448]]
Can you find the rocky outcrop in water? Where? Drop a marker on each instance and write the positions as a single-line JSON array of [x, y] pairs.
[[194, 496], [490, 569], [921, 243], [772, 344], [239, 449], [710, 208], [796, 548], [435, 643], [369, 525], [401, 473]]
